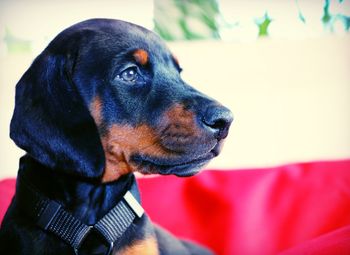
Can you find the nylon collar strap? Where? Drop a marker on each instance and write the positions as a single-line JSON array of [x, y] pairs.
[[51, 216]]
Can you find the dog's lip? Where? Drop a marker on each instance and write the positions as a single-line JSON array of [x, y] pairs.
[[183, 168], [188, 168], [173, 163]]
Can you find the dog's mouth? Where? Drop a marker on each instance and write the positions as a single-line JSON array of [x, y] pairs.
[[181, 166]]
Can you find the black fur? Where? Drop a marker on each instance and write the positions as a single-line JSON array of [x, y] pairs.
[[65, 159]]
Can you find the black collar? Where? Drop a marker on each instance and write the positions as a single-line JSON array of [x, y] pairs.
[[51, 216]]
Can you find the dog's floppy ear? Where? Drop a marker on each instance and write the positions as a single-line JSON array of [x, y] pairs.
[[51, 122]]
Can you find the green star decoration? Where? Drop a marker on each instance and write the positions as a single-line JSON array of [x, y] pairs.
[[263, 25]]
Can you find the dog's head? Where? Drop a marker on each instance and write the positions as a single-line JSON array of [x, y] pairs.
[[106, 98]]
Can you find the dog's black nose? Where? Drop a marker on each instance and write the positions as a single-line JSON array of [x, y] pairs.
[[218, 119]]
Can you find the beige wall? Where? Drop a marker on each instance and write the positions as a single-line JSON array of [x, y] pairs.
[[291, 99]]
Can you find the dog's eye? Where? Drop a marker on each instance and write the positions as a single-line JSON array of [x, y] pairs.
[[129, 75]]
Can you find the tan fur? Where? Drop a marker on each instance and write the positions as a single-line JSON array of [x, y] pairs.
[[96, 110], [121, 142], [181, 121], [141, 56], [147, 246]]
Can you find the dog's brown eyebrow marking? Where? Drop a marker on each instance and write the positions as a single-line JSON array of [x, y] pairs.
[[141, 56]]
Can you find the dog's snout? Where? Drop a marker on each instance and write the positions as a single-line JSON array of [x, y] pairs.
[[218, 120]]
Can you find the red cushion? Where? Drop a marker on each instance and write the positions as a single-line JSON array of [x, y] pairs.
[[333, 243], [7, 190], [301, 207]]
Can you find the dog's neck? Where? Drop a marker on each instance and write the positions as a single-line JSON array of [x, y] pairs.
[[88, 200]]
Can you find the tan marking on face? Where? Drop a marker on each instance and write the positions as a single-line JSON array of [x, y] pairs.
[[181, 121], [96, 110], [147, 246], [141, 56], [120, 142]]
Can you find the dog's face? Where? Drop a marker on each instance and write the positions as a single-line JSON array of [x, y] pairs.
[[129, 86]]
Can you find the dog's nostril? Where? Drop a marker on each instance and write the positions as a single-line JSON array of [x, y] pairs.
[[219, 121], [218, 124]]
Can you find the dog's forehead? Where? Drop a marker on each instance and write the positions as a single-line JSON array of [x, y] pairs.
[[135, 37], [121, 36]]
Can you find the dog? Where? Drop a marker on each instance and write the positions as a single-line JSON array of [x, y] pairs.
[[104, 99]]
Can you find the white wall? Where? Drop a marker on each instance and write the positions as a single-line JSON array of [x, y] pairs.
[[291, 99]]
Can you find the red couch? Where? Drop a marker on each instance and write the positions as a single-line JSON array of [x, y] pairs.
[[293, 209]]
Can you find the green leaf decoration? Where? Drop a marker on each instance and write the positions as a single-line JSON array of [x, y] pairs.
[[300, 14], [263, 25], [201, 19], [345, 20], [186, 19], [326, 18], [15, 44], [301, 17]]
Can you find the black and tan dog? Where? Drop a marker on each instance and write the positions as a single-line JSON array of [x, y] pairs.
[[103, 100]]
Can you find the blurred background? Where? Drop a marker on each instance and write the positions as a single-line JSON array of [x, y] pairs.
[[282, 67]]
